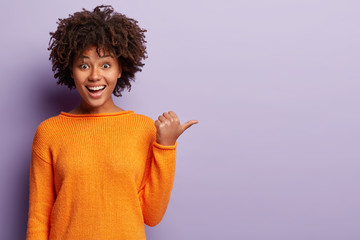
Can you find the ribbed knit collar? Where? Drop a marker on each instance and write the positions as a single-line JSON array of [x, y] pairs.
[[96, 114]]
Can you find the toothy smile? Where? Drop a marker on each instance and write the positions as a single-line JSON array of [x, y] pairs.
[[95, 88], [95, 91]]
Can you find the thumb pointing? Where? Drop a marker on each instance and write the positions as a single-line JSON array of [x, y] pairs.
[[188, 124]]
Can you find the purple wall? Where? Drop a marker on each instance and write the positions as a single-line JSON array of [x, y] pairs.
[[274, 85]]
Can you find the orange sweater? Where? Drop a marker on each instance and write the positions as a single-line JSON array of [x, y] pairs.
[[98, 176]]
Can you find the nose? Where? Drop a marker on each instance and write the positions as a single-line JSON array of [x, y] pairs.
[[95, 74]]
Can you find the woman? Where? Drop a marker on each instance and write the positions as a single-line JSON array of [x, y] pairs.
[[99, 171]]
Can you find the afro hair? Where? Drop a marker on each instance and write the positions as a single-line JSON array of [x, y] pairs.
[[108, 31]]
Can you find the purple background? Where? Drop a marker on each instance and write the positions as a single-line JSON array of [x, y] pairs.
[[274, 85]]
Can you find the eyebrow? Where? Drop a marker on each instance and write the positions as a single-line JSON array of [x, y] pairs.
[[82, 56]]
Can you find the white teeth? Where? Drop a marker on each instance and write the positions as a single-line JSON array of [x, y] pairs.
[[96, 88]]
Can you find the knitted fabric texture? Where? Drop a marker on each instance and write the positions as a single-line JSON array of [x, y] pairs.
[[98, 177]]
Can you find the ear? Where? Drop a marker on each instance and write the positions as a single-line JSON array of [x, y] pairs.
[[71, 72], [120, 71]]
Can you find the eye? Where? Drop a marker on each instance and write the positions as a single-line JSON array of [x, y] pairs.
[[84, 66], [106, 65]]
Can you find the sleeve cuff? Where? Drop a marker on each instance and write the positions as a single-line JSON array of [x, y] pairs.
[[171, 147]]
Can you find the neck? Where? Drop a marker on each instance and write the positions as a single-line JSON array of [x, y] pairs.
[[85, 109]]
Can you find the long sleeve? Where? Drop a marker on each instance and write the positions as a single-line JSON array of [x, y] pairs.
[[41, 197], [156, 192], [98, 176]]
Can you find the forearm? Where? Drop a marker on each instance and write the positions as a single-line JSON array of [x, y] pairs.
[[41, 199], [155, 195]]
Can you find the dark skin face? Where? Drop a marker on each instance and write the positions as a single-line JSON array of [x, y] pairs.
[[95, 80]]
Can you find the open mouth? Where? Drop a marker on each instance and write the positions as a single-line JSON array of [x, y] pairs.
[[96, 91]]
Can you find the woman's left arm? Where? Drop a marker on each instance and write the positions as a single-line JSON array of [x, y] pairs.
[[155, 195]]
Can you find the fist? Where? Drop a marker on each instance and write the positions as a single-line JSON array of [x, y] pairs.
[[168, 128]]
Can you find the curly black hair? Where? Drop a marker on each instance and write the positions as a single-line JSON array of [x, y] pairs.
[[107, 30]]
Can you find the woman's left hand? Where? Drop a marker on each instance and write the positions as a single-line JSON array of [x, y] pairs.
[[168, 128]]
